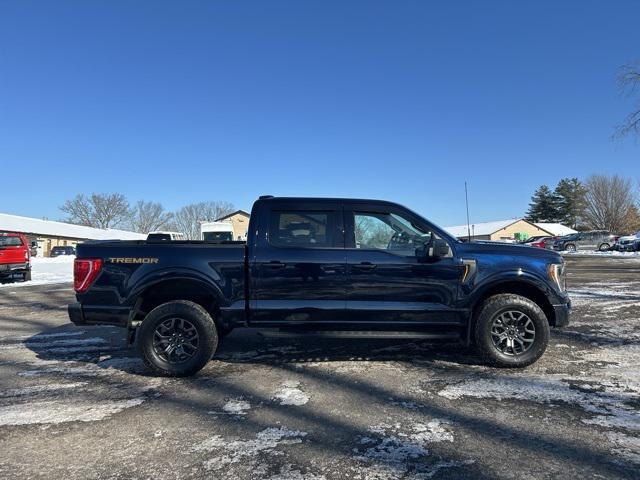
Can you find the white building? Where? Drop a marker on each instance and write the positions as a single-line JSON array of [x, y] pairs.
[[508, 230], [49, 234]]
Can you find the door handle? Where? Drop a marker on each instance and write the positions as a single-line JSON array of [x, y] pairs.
[[274, 264], [364, 266]]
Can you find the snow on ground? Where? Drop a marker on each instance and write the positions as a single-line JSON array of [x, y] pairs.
[[291, 394], [235, 406], [52, 393], [46, 271], [611, 253], [391, 451], [247, 451]]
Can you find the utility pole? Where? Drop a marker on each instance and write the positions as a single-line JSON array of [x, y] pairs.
[[466, 197]]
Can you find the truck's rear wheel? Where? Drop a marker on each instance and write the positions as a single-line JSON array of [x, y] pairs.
[[177, 338], [511, 331]]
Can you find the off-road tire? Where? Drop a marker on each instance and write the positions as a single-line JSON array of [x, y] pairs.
[[194, 314], [492, 308]]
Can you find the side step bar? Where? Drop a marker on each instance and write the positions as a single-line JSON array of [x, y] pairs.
[[288, 333]]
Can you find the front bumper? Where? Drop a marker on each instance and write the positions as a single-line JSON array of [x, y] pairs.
[[98, 315], [562, 313]]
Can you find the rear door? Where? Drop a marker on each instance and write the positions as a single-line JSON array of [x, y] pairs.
[[386, 282], [588, 241], [298, 272]]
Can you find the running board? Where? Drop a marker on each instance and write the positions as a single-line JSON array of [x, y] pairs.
[[271, 333]]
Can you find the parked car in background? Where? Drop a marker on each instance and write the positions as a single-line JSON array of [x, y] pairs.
[[628, 243], [165, 236], [594, 240], [58, 251], [15, 257], [538, 241]]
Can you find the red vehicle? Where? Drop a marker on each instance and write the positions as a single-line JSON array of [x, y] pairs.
[[14, 256]]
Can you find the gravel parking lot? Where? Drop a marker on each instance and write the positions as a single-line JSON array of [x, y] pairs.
[[75, 402]]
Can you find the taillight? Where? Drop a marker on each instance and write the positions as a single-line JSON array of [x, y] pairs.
[[85, 271]]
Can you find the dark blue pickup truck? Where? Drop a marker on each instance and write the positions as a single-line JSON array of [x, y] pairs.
[[323, 266]]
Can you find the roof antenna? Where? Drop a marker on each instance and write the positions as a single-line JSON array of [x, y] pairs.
[[466, 197]]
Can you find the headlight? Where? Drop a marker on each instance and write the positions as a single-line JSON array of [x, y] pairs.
[[557, 275]]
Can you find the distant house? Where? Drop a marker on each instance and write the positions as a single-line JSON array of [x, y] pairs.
[[50, 234], [239, 220], [508, 230]]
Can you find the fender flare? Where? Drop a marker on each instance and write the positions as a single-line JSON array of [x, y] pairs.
[[170, 274]]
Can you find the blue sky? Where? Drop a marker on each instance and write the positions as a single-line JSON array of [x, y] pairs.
[[180, 102]]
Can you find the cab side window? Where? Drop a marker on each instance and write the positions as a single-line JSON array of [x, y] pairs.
[[390, 232], [302, 229]]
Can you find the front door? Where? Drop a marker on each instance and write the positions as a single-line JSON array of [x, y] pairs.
[[298, 275], [386, 281]]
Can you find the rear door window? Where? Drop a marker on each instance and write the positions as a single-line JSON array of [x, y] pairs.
[[300, 228]]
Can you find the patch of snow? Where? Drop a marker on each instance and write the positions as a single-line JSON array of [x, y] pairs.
[[56, 344], [60, 412], [287, 472], [247, 451], [611, 253], [626, 446], [291, 394], [42, 336], [403, 453], [45, 271], [236, 406], [104, 368], [612, 408], [35, 389]]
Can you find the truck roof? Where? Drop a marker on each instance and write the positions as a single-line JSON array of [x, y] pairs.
[[271, 198]]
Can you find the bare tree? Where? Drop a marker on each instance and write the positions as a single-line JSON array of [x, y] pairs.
[[187, 219], [100, 210], [149, 216], [609, 202], [629, 84]]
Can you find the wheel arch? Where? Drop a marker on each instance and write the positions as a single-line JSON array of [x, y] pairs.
[[522, 287], [163, 290]]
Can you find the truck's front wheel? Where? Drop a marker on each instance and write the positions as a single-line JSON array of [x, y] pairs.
[[511, 331], [177, 339]]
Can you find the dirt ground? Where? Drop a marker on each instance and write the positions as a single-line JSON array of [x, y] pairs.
[[76, 403]]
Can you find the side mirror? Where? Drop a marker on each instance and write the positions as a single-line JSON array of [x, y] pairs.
[[440, 248], [432, 251]]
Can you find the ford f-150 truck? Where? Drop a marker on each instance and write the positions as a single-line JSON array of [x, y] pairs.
[[339, 267]]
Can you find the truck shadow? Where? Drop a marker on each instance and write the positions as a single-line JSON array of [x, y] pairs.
[[89, 344]]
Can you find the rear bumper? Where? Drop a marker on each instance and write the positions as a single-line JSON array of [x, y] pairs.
[[9, 268], [98, 315], [562, 314]]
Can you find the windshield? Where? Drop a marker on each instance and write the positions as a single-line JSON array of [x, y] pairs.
[[571, 236], [10, 242], [217, 237]]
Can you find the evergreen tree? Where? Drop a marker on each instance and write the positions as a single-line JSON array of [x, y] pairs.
[[544, 206], [571, 201]]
